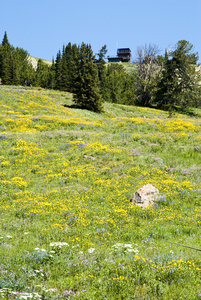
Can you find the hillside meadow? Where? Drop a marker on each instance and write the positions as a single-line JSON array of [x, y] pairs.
[[68, 229]]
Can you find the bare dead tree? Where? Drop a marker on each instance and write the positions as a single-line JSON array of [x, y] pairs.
[[148, 67]]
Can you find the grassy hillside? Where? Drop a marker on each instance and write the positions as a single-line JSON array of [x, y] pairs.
[[130, 67], [68, 229], [34, 61]]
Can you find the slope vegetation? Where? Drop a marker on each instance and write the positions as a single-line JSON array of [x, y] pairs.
[[68, 229]]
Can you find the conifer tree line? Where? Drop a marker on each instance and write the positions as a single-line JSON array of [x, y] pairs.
[[14, 65], [169, 82]]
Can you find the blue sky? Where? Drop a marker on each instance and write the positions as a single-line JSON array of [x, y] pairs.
[[42, 27]]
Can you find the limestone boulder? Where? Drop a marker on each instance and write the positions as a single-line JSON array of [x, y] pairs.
[[145, 196]]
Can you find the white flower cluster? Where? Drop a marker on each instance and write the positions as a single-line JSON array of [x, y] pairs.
[[48, 253], [91, 250], [7, 236], [30, 296], [38, 249], [125, 248], [58, 244], [21, 295]]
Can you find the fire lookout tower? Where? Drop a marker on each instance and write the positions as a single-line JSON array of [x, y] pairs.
[[123, 55]]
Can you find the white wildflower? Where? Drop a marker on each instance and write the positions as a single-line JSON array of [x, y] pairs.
[[51, 290], [117, 245], [58, 244], [91, 250], [128, 246], [30, 296], [132, 250]]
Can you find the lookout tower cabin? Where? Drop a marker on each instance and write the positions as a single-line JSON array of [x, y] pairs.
[[123, 55]]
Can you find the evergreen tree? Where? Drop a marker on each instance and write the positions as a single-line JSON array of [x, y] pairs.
[[6, 61], [74, 68], [118, 86], [129, 93], [52, 76], [114, 83], [69, 68], [5, 41], [1, 61], [22, 69], [42, 74], [178, 86], [15, 67], [27, 70], [64, 73], [101, 64], [87, 83], [58, 71], [6, 74]]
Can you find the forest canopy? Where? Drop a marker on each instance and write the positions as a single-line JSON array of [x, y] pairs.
[[168, 82]]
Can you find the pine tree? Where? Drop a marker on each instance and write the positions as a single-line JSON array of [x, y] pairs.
[[6, 61], [114, 83], [64, 72], [6, 67], [101, 64], [15, 67], [178, 86], [22, 69], [58, 71], [118, 86], [69, 70], [74, 68], [27, 72], [1, 61], [69, 67], [42, 74], [87, 82], [163, 95], [5, 41], [52, 76]]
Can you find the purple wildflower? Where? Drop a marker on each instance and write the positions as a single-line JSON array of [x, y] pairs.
[[135, 153], [68, 292], [3, 136], [81, 145]]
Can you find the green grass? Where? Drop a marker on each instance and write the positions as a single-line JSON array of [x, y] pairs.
[[68, 229], [130, 67]]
